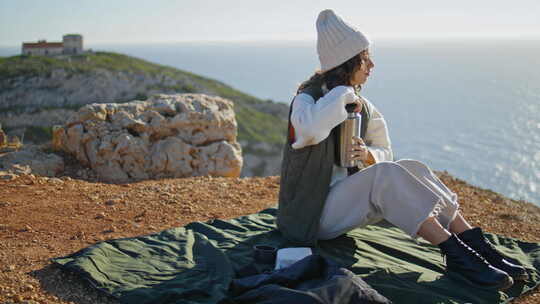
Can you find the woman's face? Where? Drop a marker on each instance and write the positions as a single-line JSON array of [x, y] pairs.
[[362, 73]]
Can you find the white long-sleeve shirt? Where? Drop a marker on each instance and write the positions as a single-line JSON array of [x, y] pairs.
[[313, 122]]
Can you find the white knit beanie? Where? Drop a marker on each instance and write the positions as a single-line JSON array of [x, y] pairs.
[[337, 41]]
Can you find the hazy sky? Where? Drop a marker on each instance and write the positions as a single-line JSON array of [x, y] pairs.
[[122, 21]]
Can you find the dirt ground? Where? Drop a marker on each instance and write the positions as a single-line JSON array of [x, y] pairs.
[[42, 218]]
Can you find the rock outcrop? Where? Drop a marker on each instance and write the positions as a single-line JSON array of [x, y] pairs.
[[261, 159], [176, 135], [31, 160], [63, 88], [37, 94], [41, 118]]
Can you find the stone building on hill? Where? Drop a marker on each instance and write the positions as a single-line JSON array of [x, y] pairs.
[[71, 44]]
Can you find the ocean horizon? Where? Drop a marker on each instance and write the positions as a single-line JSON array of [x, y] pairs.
[[468, 107]]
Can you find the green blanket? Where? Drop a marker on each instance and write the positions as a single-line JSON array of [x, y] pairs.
[[196, 263]]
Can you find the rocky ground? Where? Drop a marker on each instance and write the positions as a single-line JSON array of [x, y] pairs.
[[42, 218]]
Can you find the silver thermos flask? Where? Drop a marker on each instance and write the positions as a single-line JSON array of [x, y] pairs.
[[349, 128]]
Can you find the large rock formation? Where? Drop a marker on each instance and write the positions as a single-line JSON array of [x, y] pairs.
[[166, 136], [37, 94]]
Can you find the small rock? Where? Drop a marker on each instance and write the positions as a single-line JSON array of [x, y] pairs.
[[110, 202], [100, 215], [5, 204], [110, 230], [142, 214], [20, 168], [8, 176], [27, 228], [55, 180], [80, 235]]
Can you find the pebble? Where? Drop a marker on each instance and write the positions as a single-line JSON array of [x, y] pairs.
[[8, 176], [55, 180], [110, 230], [27, 228]]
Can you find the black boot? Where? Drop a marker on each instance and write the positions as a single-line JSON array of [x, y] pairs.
[[462, 260], [474, 238]]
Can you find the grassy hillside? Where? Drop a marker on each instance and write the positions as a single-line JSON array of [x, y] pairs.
[[254, 124]]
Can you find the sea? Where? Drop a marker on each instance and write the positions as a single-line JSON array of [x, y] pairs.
[[470, 107]]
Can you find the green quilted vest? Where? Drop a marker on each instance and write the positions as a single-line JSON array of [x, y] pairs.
[[305, 181]]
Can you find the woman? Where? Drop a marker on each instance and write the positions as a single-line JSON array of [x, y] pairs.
[[320, 200]]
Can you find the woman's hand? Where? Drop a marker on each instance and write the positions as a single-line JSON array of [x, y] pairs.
[[351, 97], [358, 103], [359, 149]]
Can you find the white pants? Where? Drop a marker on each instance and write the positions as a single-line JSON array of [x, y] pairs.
[[405, 193]]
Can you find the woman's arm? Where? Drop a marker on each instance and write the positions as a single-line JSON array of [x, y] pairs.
[[312, 121]]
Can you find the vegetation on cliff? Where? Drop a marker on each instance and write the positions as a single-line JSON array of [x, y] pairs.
[[258, 120]]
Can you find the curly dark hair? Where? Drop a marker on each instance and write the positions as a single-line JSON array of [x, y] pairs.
[[340, 75]]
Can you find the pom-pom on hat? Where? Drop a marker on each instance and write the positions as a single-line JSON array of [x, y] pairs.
[[337, 41]]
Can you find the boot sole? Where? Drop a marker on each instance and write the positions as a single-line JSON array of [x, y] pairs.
[[502, 286]]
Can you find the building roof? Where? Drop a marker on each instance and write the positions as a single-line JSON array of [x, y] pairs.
[[34, 45]]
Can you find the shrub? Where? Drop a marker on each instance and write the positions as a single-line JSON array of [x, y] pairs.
[[38, 134]]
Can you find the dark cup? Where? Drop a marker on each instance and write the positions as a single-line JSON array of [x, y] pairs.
[[264, 254]]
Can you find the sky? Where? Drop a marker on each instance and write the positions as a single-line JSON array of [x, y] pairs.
[[137, 21]]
